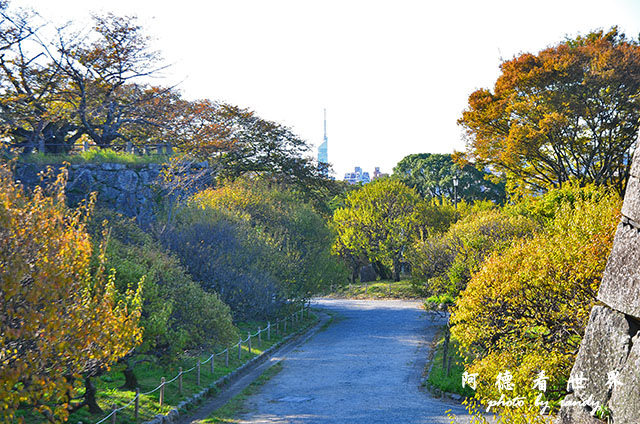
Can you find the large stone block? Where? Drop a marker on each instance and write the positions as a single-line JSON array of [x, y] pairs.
[[635, 164], [631, 205], [625, 398], [620, 287], [575, 414], [604, 348]]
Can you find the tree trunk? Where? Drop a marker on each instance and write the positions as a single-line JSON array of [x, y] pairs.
[[90, 397], [381, 270], [396, 270], [130, 380]]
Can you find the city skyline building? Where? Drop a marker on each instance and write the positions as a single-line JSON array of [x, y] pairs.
[[323, 150]]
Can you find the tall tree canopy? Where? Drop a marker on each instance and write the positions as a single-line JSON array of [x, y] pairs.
[[569, 112], [380, 220], [431, 175]]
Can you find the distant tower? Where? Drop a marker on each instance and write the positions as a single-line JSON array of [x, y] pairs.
[[323, 155]]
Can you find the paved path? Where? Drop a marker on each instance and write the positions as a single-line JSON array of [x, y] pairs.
[[364, 368]]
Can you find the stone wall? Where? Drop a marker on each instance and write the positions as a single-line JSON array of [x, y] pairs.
[[606, 374], [132, 190]]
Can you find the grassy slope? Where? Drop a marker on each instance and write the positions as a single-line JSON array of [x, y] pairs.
[[438, 377], [384, 289]]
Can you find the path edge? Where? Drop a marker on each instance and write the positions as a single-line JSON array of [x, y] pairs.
[[184, 408]]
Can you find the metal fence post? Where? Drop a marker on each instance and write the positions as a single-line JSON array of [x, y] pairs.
[[136, 408], [162, 380], [240, 348], [259, 337], [198, 372], [249, 340], [269, 331], [213, 360], [180, 380], [226, 358], [113, 417]]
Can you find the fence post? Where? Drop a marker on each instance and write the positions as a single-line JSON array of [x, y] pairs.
[[180, 380], [113, 417], [259, 337], [162, 380], [278, 326], [269, 330], [136, 408], [249, 340], [198, 371], [85, 146], [213, 359], [129, 147], [226, 358], [240, 348]]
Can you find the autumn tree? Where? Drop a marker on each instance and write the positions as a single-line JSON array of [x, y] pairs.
[[431, 175], [31, 108], [60, 324], [379, 222], [102, 79], [526, 307], [569, 112]]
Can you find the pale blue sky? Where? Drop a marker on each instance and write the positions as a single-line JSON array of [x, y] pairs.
[[394, 75]]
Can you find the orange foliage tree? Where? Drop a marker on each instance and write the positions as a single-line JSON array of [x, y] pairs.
[[58, 323], [568, 113]]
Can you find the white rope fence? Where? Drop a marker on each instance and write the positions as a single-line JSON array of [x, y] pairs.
[[294, 318]]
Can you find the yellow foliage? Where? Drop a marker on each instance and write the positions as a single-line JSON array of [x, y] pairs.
[[58, 322], [526, 309]]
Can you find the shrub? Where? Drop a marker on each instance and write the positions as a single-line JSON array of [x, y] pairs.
[[59, 323], [525, 310], [444, 263], [177, 313]]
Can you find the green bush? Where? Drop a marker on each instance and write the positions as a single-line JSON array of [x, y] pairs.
[[444, 263], [525, 310], [177, 313]]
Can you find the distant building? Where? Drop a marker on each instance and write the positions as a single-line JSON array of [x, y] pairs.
[[357, 176], [378, 174], [323, 150]]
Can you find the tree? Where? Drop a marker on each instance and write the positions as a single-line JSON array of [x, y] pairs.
[[431, 175], [31, 108], [569, 112], [379, 222], [526, 308], [58, 323], [101, 86]]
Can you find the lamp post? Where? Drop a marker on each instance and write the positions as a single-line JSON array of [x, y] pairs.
[[455, 192]]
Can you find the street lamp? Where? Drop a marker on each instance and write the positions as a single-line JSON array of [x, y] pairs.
[[455, 192]]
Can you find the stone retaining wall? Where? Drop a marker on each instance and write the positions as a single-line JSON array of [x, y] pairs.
[[132, 190]]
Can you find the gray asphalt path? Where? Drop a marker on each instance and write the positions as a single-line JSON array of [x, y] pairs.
[[364, 368]]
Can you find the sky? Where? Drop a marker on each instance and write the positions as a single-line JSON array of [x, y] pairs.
[[393, 75]]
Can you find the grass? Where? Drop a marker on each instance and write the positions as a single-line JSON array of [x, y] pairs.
[[150, 373], [94, 156], [236, 406], [438, 377], [383, 289]]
